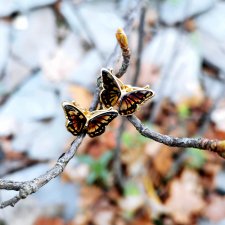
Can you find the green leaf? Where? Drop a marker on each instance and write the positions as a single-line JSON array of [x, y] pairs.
[[133, 140], [104, 176], [183, 111], [128, 215], [196, 158], [92, 177], [131, 189], [106, 157], [85, 159], [97, 167]]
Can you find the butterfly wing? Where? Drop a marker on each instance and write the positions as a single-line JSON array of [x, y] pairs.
[[111, 89], [98, 122], [76, 120], [131, 100]]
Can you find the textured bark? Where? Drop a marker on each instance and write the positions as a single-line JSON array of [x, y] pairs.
[[200, 143]]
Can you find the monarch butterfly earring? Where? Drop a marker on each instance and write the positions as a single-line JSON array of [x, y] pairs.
[[129, 98], [79, 120]]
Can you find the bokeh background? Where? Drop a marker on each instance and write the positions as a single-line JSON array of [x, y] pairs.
[[52, 50]]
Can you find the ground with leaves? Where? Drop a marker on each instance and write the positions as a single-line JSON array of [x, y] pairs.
[[43, 64]]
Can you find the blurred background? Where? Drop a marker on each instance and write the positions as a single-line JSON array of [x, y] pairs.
[[53, 51]]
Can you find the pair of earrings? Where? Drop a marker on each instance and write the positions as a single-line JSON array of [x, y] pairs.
[[113, 92]]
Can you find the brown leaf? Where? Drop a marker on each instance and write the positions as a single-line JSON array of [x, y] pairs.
[[104, 214], [80, 95], [185, 198], [215, 210], [163, 160], [89, 196], [49, 221], [76, 174]]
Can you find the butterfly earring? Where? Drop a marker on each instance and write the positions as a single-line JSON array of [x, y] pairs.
[[79, 120], [129, 97]]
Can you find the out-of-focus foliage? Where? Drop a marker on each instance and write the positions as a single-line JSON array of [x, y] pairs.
[[53, 51], [98, 167]]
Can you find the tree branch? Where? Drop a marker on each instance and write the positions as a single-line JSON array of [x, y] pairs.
[[117, 165], [140, 44], [200, 143], [123, 42], [29, 187]]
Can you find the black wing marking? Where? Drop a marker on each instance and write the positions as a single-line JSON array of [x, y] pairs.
[[131, 100], [97, 124], [76, 120], [111, 90]]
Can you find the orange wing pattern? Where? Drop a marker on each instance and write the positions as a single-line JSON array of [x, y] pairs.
[[111, 90], [76, 120], [131, 100], [97, 124]]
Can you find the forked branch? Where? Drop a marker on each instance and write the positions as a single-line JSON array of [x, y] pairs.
[[29, 187], [26, 188]]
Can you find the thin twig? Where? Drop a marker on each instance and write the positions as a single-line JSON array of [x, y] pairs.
[[11, 185], [30, 187], [131, 15], [207, 116], [27, 188], [119, 178], [88, 32], [200, 143], [140, 44], [163, 85], [123, 42]]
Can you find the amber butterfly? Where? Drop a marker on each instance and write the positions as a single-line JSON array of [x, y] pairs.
[[79, 120], [129, 98]]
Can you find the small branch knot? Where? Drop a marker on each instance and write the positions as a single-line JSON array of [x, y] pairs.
[[60, 164], [27, 189]]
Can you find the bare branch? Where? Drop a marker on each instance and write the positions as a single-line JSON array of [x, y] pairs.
[[117, 167], [123, 42], [10, 185], [30, 187], [200, 143], [140, 44]]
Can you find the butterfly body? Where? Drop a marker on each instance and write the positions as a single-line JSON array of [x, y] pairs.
[[79, 120], [127, 97]]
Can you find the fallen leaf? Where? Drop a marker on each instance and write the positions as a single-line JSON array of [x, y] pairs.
[[49, 221], [215, 210], [89, 196], [104, 213], [81, 96], [131, 203], [76, 173], [161, 165], [185, 197]]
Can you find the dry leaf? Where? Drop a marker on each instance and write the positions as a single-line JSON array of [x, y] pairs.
[[76, 174], [89, 196], [215, 210], [104, 213], [49, 221], [185, 198], [80, 95], [131, 203], [163, 160]]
